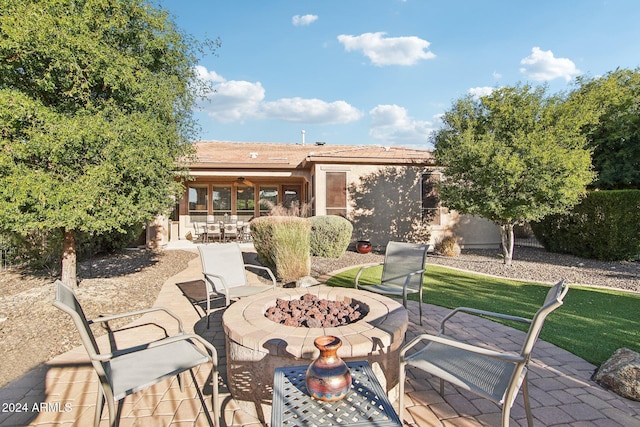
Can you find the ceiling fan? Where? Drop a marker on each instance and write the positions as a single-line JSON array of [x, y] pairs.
[[244, 181]]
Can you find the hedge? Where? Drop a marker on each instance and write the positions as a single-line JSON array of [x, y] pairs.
[[605, 226]]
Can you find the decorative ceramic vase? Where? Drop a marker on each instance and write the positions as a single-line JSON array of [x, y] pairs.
[[364, 246], [328, 377]]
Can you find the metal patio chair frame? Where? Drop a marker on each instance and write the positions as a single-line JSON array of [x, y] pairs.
[[126, 371], [402, 272], [494, 375]]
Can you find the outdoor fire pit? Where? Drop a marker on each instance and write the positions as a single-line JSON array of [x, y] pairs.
[[257, 345], [310, 311]]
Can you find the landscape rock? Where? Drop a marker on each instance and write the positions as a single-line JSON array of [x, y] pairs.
[[621, 374], [312, 312], [306, 281]]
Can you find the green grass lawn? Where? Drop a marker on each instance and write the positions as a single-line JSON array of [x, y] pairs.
[[592, 323]]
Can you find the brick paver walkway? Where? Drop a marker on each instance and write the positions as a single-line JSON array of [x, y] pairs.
[[63, 392]]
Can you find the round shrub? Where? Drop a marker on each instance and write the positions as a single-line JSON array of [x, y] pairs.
[[330, 236]]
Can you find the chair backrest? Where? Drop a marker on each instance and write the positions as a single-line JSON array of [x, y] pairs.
[[213, 227], [230, 229], [66, 301], [224, 259], [402, 258], [554, 299]]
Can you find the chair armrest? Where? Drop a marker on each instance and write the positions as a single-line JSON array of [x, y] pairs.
[[104, 357], [136, 313], [481, 313], [217, 276], [362, 269], [514, 358], [409, 275], [267, 269]]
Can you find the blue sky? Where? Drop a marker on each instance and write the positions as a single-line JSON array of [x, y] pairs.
[[381, 72]]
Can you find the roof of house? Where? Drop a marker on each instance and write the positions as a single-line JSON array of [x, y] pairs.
[[263, 155]]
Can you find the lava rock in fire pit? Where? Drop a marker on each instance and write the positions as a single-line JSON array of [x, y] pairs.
[[312, 312]]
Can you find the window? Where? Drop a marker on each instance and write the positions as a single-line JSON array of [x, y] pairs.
[[221, 200], [336, 196], [430, 200], [268, 198], [198, 203], [245, 202]]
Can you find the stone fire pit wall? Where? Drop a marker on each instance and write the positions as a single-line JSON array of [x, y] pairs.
[[256, 345]]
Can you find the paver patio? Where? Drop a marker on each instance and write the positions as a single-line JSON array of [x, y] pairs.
[[63, 391]]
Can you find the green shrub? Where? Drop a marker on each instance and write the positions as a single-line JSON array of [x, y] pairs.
[[330, 235], [605, 225], [42, 249], [282, 243]]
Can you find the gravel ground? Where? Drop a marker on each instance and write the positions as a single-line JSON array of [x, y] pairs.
[[35, 331]]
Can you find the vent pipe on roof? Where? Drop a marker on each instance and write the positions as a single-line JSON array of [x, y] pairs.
[[303, 132]]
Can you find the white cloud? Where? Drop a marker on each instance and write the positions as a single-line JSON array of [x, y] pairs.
[[542, 66], [392, 124], [314, 111], [240, 100], [496, 75], [208, 76], [479, 92], [383, 50], [234, 100], [300, 21]]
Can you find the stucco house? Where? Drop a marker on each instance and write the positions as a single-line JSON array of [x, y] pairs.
[[386, 192]]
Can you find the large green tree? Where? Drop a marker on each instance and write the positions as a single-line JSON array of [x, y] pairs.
[[515, 155], [95, 110], [615, 139]]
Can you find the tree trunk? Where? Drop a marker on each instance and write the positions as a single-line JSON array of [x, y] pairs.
[[69, 277], [506, 233]]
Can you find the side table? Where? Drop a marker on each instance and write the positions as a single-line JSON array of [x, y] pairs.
[[366, 404]]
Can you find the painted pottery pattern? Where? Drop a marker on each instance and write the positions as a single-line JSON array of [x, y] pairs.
[[328, 377]]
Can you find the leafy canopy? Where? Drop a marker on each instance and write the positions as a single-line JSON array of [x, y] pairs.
[[514, 155], [95, 109], [615, 139]]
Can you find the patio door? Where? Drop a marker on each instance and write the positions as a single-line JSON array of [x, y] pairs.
[[291, 194]]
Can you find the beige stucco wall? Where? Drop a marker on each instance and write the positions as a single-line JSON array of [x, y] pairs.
[[471, 231], [384, 203]]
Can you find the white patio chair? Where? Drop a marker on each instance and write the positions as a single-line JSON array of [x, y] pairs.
[[402, 271], [213, 231], [122, 372], [224, 273], [494, 375], [230, 231]]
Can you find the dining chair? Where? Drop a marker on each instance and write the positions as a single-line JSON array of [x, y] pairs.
[[230, 231], [214, 231]]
